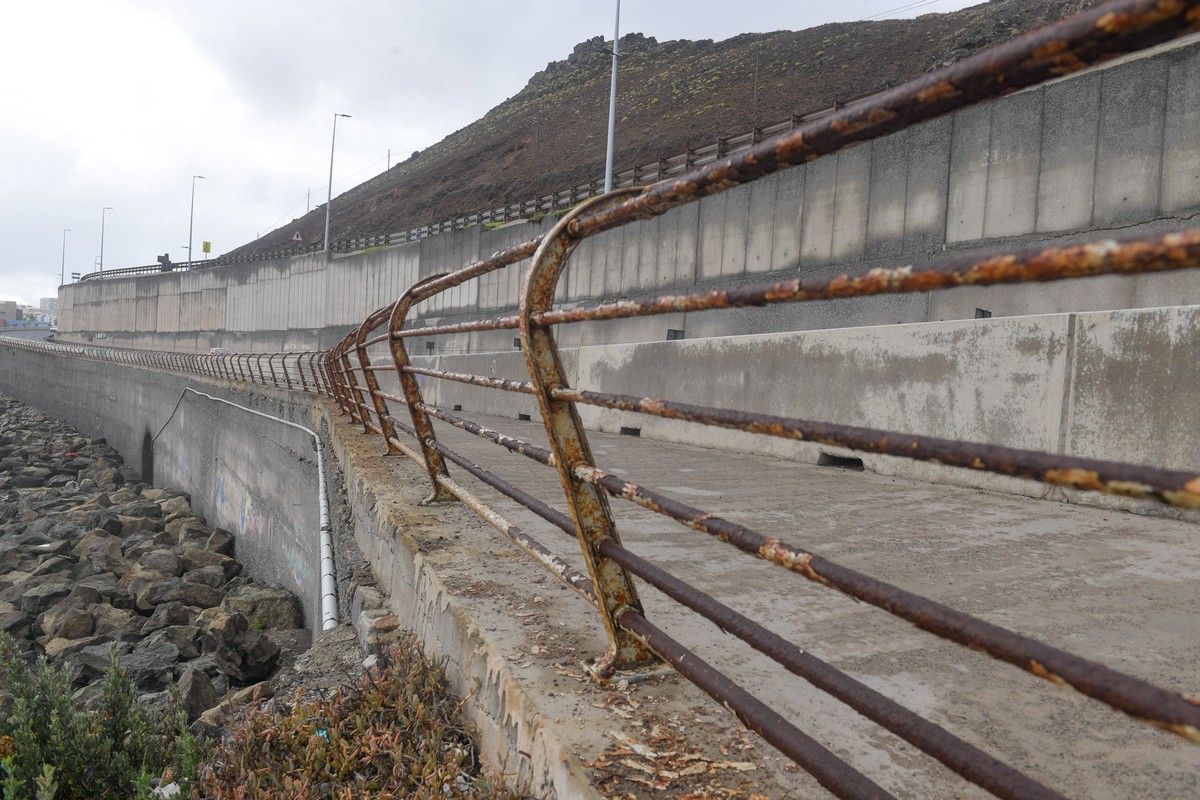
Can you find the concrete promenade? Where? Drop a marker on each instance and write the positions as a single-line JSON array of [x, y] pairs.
[[1107, 585]]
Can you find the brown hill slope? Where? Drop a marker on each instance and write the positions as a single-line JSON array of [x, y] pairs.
[[673, 95]]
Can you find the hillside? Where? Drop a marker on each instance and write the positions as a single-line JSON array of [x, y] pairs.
[[673, 95]]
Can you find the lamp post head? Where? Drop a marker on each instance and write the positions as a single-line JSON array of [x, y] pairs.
[[194, 177], [347, 116]]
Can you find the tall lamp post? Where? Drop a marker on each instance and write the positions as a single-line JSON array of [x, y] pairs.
[[329, 196], [612, 103], [192, 215], [62, 273], [103, 213]]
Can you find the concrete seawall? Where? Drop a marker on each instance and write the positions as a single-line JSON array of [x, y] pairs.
[[1112, 151], [246, 474]]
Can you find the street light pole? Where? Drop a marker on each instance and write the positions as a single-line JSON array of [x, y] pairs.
[[329, 196], [103, 213], [192, 215], [612, 103], [62, 273]]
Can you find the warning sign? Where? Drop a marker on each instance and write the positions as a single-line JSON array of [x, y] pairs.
[[206, 247], [296, 237]]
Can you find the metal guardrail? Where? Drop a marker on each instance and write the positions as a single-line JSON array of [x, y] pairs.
[[297, 371], [353, 368], [148, 269]]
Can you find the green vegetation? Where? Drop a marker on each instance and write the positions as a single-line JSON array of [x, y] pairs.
[[54, 750]]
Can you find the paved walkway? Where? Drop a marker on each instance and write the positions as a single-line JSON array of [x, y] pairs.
[[1107, 585]]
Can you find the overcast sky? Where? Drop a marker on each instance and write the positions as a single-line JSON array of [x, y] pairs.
[[119, 102]]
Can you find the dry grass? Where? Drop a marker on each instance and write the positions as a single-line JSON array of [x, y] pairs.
[[397, 733]]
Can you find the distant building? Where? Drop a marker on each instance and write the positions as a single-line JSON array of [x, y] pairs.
[[9, 313], [49, 304]]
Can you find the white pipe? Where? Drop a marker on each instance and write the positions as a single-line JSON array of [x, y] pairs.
[[329, 598]]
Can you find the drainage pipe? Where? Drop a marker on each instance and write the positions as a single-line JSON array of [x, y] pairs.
[[329, 598]]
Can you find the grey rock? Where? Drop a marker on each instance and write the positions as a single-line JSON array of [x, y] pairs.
[[90, 696], [16, 624], [39, 598], [92, 661], [241, 652], [66, 621], [177, 590], [264, 606], [209, 576], [149, 666], [196, 693], [197, 557], [164, 561], [186, 639], [169, 614], [220, 541]]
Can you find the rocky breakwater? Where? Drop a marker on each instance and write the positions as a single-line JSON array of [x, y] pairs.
[[94, 565]]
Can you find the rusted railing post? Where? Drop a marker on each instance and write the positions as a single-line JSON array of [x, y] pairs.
[[353, 393], [434, 463], [271, 365], [334, 379], [364, 359], [589, 505]]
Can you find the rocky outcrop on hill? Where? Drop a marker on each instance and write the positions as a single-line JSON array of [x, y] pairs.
[[95, 565]]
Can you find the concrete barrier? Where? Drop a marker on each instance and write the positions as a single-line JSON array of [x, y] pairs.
[[251, 476], [1111, 384]]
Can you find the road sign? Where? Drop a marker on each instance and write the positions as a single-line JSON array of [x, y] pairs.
[[206, 247], [296, 237]]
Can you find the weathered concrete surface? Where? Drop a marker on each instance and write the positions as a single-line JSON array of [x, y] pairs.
[[514, 639], [1106, 385], [243, 473], [1111, 152], [1107, 585]]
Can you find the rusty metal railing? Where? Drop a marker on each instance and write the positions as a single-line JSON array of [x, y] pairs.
[[378, 347], [297, 371], [353, 374]]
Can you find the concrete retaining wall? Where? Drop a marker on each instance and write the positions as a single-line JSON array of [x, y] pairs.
[[1112, 385], [251, 476], [1113, 150]]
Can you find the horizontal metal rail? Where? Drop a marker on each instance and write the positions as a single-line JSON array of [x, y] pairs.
[[370, 370], [296, 371], [1068, 46]]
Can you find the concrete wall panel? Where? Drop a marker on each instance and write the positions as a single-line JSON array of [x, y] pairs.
[[816, 221], [851, 203], [712, 236], [1181, 137], [1129, 154], [1012, 187], [970, 154], [785, 226], [1066, 184], [887, 195], [764, 200]]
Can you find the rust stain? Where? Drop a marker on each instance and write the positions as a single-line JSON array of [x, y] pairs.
[[939, 91], [1039, 670]]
